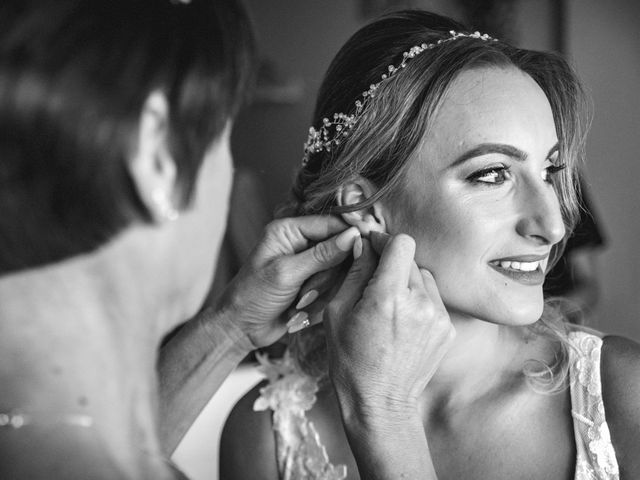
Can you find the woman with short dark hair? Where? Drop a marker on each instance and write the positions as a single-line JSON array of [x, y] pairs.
[[115, 172]]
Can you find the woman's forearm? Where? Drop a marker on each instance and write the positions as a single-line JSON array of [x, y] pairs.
[[191, 368]]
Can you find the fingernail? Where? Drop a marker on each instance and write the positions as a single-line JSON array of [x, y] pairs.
[[307, 299], [298, 322], [357, 248], [344, 241]]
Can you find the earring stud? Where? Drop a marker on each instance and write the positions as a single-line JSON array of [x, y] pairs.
[[163, 206]]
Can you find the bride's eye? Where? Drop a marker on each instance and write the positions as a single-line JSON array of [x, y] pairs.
[[551, 170], [493, 175]]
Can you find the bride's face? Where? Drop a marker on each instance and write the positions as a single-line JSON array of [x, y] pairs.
[[479, 201]]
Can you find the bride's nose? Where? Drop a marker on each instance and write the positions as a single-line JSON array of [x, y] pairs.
[[540, 217]]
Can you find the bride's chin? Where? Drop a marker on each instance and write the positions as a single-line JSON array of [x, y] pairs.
[[522, 314]]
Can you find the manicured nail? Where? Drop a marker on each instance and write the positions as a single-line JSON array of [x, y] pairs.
[[298, 322], [307, 299], [345, 240], [357, 248]]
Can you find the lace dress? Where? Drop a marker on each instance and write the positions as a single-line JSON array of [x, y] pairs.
[[301, 455], [596, 458], [290, 393]]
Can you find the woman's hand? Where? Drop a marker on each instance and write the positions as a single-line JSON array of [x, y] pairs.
[[290, 252], [387, 329]]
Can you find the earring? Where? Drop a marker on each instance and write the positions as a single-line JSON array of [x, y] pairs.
[[163, 206]]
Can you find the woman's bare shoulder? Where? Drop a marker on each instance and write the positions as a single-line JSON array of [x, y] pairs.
[[247, 445], [55, 452], [620, 366], [620, 371]]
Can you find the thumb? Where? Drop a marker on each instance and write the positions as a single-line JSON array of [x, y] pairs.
[[326, 254], [356, 280], [431, 288]]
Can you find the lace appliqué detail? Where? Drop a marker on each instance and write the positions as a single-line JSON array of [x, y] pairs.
[[290, 393], [596, 459]]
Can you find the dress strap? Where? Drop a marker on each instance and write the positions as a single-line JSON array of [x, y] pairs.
[[596, 458], [290, 393]]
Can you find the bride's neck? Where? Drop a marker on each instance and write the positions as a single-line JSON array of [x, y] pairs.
[[74, 341], [483, 356]]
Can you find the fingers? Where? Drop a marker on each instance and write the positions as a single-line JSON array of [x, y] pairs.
[[318, 284], [326, 254], [431, 288], [321, 288], [356, 280], [298, 322], [415, 277], [314, 296], [291, 235], [396, 263], [398, 269], [380, 240], [318, 227]]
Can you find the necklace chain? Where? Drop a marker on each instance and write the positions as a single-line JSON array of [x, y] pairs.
[[18, 420]]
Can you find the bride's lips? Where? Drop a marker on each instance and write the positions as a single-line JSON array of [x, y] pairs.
[[524, 269]]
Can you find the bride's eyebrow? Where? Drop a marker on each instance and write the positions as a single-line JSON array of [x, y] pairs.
[[500, 148], [487, 148]]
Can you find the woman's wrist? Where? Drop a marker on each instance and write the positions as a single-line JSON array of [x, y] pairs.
[[221, 326], [369, 398], [384, 415], [375, 410], [388, 439]]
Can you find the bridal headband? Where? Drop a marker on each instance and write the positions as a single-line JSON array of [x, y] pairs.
[[332, 131]]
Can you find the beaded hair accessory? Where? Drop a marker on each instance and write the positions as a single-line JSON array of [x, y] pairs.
[[334, 130]]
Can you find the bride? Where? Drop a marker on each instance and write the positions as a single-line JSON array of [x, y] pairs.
[[465, 149]]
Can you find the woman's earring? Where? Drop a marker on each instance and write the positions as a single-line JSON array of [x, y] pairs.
[[163, 206]]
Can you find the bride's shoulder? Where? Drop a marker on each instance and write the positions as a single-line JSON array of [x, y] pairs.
[[620, 362], [620, 372], [247, 445]]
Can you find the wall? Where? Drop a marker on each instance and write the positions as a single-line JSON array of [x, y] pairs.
[[604, 44], [301, 37]]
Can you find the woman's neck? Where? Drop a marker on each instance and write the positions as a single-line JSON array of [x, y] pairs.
[[77, 339], [483, 357]]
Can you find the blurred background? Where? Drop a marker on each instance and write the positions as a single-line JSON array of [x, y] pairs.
[[298, 39]]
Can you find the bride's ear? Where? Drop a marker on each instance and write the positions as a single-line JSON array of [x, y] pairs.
[[367, 219]]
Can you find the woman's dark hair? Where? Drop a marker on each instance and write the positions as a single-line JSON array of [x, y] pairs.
[[393, 124], [74, 76]]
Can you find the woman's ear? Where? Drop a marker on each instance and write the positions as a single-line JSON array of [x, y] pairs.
[[367, 219], [152, 166]]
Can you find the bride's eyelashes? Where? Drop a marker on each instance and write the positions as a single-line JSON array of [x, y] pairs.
[[495, 175], [551, 171]]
